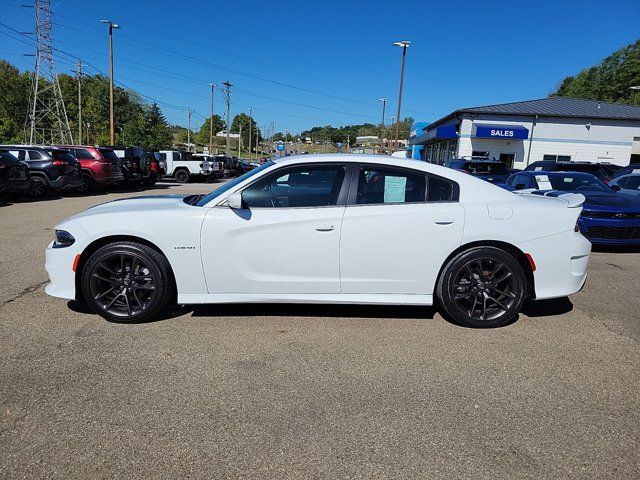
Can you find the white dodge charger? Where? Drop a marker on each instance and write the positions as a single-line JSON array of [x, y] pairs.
[[326, 229]]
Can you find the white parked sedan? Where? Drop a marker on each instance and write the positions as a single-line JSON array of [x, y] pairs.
[[326, 229]]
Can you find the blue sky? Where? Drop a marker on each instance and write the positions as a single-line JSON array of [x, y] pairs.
[[301, 64]]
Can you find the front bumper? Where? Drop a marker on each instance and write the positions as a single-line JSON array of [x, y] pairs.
[[611, 231], [59, 263]]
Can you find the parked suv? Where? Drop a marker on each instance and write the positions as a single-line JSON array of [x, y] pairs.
[[584, 167], [139, 166], [14, 174], [50, 168], [491, 170], [99, 166]]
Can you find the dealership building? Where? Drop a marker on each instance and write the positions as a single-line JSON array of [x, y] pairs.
[[519, 133]]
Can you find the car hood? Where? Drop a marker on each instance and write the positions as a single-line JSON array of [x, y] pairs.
[[147, 203]]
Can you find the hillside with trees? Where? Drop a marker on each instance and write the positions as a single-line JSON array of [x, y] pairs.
[[609, 81], [138, 121]]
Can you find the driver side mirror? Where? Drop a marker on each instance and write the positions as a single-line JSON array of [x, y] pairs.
[[616, 188], [235, 201]]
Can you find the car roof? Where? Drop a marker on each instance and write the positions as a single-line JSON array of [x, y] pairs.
[[554, 173]]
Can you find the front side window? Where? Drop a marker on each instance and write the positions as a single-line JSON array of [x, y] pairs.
[[302, 186], [387, 185], [633, 183]]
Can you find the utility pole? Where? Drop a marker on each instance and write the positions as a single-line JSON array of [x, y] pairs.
[[88, 128], [188, 129], [212, 85], [239, 140], [257, 141], [384, 106], [250, 126], [404, 44], [112, 128], [79, 74], [46, 105], [228, 99]]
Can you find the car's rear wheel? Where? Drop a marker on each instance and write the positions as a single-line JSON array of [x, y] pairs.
[[482, 287], [127, 282], [87, 184], [39, 187], [182, 176]]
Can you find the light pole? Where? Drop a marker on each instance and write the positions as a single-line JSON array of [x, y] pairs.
[[79, 72], [188, 129], [112, 131], [384, 107], [404, 44], [228, 86], [635, 94], [212, 85], [250, 125]]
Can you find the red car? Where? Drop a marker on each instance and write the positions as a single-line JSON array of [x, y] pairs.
[[99, 166]]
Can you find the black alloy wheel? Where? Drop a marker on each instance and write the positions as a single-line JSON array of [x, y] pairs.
[[182, 176], [483, 287], [86, 186], [39, 187], [126, 282]]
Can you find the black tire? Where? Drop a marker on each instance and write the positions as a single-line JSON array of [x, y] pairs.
[[181, 175], [473, 293], [39, 187], [127, 282], [87, 185]]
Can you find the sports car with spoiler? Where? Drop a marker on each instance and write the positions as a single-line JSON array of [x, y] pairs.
[[350, 229]]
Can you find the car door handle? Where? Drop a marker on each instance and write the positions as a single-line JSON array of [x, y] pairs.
[[326, 227], [443, 222]]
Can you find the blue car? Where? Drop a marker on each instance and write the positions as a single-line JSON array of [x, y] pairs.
[[608, 217]]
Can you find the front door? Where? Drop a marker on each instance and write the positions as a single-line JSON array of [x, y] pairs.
[[286, 240], [398, 231]]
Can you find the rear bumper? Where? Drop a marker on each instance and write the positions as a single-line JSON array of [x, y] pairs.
[[561, 263]]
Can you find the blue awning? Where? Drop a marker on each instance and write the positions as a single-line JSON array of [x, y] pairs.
[[447, 131], [502, 132]]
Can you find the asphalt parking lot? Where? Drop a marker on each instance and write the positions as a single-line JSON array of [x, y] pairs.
[[311, 391]]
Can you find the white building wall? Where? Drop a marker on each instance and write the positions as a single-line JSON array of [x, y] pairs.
[[581, 139]]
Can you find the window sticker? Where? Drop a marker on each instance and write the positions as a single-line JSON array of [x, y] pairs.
[[537, 169], [567, 179], [543, 182], [635, 170], [394, 189]]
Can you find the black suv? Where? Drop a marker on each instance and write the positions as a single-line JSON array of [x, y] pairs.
[[14, 175], [51, 169], [594, 169], [491, 170], [139, 166]]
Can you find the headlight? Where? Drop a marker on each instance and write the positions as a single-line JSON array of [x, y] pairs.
[[63, 239]]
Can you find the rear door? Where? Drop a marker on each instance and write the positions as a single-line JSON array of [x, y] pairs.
[[399, 227]]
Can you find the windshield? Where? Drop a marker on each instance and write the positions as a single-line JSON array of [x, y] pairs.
[[229, 185], [570, 183], [488, 167]]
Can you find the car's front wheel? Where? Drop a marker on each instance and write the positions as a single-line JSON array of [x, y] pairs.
[[482, 287], [127, 282]]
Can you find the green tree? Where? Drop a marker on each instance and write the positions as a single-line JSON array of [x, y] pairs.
[[244, 120], [202, 136], [609, 81]]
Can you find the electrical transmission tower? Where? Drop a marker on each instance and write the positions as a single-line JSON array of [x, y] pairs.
[[48, 123]]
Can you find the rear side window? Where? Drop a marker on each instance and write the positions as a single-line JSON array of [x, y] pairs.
[[633, 183], [35, 155], [440, 190], [83, 154], [378, 185]]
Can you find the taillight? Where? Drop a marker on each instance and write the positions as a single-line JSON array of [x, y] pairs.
[[606, 180], [59, 163]]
